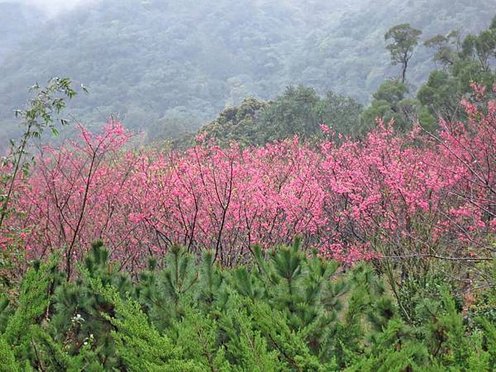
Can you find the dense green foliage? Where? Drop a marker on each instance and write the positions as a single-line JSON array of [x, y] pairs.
[[168, 66], [463, 61], [299, 111], [285, 310]]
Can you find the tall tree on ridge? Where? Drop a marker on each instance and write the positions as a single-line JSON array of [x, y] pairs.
[[404, 39]]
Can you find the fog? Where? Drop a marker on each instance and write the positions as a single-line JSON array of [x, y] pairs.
[[52, 7]]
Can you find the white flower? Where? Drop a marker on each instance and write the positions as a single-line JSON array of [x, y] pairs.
[[78, 318]]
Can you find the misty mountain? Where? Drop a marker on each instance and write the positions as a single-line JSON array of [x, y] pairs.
[[17, 22], [168, 66]]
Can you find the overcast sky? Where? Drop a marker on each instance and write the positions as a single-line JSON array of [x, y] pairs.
[[52, 7]]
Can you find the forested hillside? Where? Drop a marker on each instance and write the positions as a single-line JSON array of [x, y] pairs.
[[17, 23], [166, 67]]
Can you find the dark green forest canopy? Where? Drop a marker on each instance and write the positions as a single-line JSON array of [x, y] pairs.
[[298, 111], [166, 67], [301, 111]]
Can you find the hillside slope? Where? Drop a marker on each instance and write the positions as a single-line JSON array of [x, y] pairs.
[[168, 66]]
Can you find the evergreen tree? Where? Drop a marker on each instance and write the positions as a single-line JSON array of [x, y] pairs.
[[404, 39]]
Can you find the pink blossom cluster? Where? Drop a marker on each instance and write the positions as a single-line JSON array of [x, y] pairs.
[[387, 194]]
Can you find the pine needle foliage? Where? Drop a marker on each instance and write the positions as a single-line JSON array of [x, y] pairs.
[[286, 310]]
